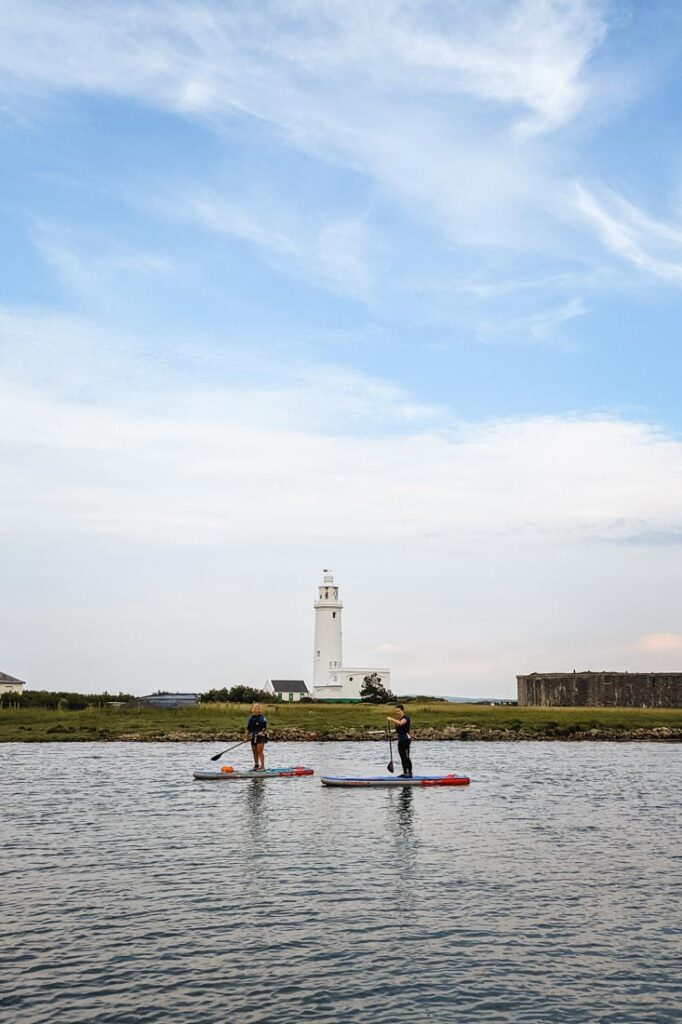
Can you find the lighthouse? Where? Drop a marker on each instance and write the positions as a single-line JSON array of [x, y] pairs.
[[331, 679], [328, 635]]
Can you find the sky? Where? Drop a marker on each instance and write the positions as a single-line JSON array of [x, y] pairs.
[[392, 289]]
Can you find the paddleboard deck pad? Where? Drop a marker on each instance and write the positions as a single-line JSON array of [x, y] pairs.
[[216, 774], [392, 780]]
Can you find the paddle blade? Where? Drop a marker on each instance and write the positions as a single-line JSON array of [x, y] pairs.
[[390, 768], [216, 757]]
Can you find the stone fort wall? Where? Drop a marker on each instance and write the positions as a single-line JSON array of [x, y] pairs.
[[601, 689]]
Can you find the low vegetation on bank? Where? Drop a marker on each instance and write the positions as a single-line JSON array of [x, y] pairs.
[[299, 722]]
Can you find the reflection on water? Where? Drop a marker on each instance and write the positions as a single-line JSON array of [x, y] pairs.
[[405, 842], [406, 810], [255, 801], [541, 894]]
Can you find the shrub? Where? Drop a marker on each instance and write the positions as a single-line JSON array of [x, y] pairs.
[[62, 699], [373, 690], [239, 694]]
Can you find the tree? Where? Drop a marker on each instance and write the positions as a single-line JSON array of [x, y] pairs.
[[373, 690], [239, 694], [63, 700]]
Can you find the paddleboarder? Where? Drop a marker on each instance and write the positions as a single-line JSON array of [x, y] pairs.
[[402, 728], [256, 731]]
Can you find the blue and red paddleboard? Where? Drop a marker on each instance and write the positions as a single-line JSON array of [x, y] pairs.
[[230, 775], [391, 780]]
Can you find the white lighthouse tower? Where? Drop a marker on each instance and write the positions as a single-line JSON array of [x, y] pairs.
[[331, 680], [328, 635]]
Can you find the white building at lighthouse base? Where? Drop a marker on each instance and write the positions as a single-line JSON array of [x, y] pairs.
[[346, 683], [332, 680]]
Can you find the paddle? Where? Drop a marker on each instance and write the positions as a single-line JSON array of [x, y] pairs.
[[216, 757], [389, 766]]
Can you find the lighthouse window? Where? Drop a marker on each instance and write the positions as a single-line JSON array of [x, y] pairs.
[[333, 615], [350, 679], [318, 654]]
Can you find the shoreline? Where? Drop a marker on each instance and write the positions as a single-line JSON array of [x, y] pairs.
[[661, 734], [299, 723]]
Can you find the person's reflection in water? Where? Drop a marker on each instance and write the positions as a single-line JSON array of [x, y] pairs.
[[255, 807], [406, 842], [248, 826], [406, 810]]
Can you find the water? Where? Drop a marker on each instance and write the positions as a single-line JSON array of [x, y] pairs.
[[548, 891]]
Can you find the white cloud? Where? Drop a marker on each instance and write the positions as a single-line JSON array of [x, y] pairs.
[[200, 57], [168, 470], [189, 516], [436, 103], [649, 244], [531, 53], [153, 517], [444, 108]]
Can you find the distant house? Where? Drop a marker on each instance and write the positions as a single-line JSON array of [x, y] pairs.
[[171, 700], [287, 689], [8, 684]]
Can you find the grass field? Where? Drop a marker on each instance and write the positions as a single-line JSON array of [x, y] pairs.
[[320, 721]]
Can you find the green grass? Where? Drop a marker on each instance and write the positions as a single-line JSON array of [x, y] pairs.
[[217, 721]]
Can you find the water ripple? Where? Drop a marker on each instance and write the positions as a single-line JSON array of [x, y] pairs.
[[545, 893]]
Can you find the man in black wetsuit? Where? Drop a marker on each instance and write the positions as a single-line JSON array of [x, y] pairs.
[[402, 727]]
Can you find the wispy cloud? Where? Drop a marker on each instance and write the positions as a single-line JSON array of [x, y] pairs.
[[437, 104], [92, 264], [651, 245], [537, 326], [333, 251], [446, 111], [202, 57]]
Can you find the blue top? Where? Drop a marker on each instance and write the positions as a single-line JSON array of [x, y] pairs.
[[403, 731], [256, 724]]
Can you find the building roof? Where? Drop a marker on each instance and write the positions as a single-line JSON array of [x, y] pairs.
[[289, 686], [4, 678], [170, 696]]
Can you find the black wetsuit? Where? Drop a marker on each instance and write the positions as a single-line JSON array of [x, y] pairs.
[[404, 740]]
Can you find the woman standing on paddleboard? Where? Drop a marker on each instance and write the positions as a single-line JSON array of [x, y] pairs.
[[402, 727], [256, 731]]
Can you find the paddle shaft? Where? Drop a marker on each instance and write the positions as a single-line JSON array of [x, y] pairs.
[[217, 757], [390, 767]]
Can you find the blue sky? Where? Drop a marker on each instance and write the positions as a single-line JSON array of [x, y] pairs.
[[393, 288]]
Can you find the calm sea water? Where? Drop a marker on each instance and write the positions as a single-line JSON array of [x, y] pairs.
[[548, 891]]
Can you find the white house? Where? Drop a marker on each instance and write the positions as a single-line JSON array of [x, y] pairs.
[[287, 689], [332, 680], [8, 684]]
